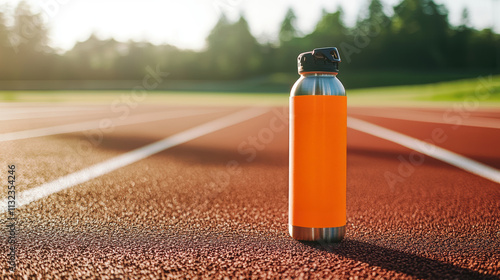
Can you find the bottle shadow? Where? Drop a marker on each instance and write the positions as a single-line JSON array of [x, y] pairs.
[[394, 260]]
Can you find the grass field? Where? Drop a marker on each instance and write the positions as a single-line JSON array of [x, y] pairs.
[[484, 90]]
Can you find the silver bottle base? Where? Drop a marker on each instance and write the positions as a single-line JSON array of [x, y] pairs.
[[334, 234]]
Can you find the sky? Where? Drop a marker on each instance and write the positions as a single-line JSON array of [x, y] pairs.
[[186, 23]]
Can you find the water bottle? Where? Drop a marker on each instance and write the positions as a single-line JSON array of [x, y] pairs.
[[318, 124]]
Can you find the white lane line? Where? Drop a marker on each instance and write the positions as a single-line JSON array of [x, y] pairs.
[[454, 118], [426, 148], [88, 125], [110, 165]]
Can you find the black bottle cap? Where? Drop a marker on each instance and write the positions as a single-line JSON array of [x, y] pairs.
[[319, 60]]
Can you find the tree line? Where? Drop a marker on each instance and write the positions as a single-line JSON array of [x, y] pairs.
[[417, 36]]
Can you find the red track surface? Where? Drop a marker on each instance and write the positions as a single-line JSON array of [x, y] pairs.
[[183, 212]]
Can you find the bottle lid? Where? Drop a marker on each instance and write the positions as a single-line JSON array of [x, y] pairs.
[[319, 60]]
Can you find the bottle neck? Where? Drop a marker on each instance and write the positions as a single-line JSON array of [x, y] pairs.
[[318, 73]]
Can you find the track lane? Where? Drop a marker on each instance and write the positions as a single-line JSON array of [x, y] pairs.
[[38, 121], [44, 159], [102, 123], [97, 170], [176, 214], [473, 142], [426, 148], [448, 118]]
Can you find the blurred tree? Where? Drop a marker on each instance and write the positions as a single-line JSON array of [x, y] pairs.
[[5, 53], [420, 32], [4, 32], [459, 52], [28, 38], [418, 35], [483, 45], [282, 58], [232, 51], [464, 20], [288, 31], [375, 18], [370, 37], [97, 59], [331, 24], [29, 30], [329, 31], [376, 13]]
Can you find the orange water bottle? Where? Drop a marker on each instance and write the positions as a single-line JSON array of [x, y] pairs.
[[318, 124]]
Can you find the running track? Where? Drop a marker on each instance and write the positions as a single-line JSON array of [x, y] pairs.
[[179, 192]]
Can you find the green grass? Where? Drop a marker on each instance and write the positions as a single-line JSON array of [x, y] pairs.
[[485, 90]]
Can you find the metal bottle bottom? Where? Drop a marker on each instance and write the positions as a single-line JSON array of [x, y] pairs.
[[334, 234]]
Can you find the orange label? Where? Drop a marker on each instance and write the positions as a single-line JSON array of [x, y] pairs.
[[317, 189]]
